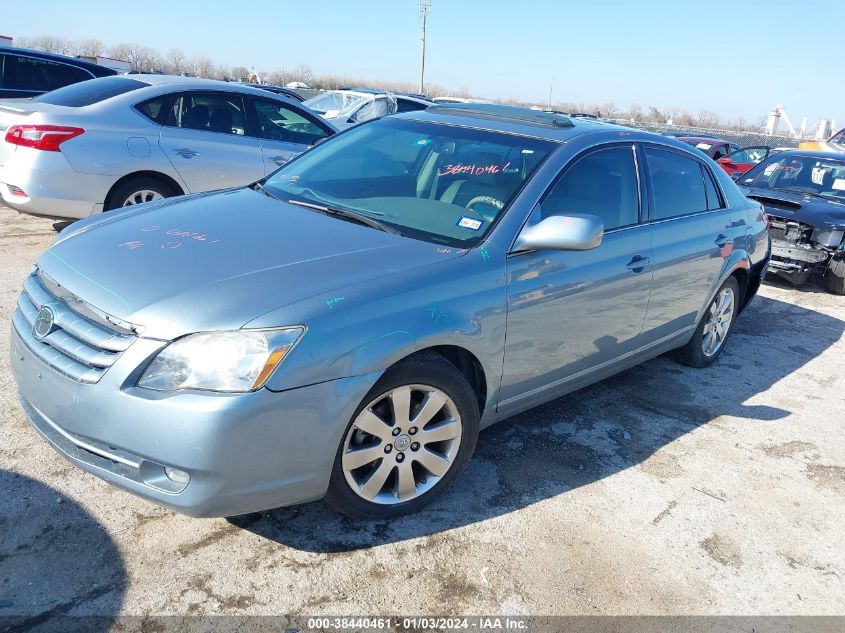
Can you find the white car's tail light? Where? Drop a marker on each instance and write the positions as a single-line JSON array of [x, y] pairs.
[[45, 137]]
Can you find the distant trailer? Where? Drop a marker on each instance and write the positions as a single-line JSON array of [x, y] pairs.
[[115, 64], [5, 40]]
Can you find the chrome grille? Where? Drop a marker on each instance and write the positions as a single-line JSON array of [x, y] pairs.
[[77, 347]]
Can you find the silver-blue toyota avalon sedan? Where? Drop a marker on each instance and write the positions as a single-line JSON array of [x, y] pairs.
[[344, 327]]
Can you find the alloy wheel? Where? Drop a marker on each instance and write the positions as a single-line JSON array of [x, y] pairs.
[[139, 197], [718, 323], [401, 444]]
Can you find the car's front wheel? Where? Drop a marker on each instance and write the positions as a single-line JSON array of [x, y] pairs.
[[714, 329], [408, 441], [834, 278]]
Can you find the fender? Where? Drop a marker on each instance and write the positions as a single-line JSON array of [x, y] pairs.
[[365, 328], [738, 259]]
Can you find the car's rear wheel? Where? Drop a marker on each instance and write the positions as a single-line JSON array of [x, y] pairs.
[[834, 277], [715, 327], [409, 440], [138, 191]]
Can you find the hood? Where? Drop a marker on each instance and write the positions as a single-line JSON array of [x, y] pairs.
[[218, 260], [812, 210]]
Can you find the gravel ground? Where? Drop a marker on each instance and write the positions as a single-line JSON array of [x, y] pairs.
[[663, 490]]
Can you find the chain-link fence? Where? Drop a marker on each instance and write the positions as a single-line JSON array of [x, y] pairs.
[[744, 138]]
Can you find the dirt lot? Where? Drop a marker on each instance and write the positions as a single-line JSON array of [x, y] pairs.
[[663, 490]]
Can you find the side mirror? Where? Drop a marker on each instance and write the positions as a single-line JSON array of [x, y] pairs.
[[726, 160], [576, 232]]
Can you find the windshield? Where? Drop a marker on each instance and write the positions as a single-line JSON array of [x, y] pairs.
[[88, 92], [801, 174], [838, 140], [436, 182], [340, 101]]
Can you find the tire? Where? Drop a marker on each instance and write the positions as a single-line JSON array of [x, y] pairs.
[[141, 189], [418, 373], [693, 353], [834, 277]]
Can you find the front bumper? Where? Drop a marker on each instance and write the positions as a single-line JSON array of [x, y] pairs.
[[243, 452], [791, 255]]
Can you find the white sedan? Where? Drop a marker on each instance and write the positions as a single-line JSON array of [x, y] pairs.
[[117, 141]]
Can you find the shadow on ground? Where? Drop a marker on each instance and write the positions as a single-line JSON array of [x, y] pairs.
[[587, 435], [56, 561]]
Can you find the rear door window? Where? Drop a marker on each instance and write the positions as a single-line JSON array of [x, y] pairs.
[[90, 92], [39, 75], [208, 111], [677, 184]]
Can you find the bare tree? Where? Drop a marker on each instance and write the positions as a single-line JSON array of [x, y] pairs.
[[277, 78], [48, 44], [201, 66], [707, 118], [90, 47], [239, 72], [607, 110], [303, 73], [176, 62]]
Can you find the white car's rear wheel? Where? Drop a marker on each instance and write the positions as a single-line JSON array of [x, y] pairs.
[[138, 191]]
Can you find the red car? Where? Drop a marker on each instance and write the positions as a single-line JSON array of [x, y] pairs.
[[715, 148], [741, 160], [732, 158]]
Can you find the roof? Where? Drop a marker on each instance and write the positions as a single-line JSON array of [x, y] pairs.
[[377, 91], [198, 83], [710, 140], [523, 121]]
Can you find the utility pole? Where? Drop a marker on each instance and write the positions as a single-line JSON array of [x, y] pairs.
[[424, 8], [551, 87]]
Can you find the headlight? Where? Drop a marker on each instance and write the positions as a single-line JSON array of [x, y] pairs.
[[236, 361]]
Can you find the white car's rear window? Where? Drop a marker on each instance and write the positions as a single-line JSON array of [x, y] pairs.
[[92, 91]]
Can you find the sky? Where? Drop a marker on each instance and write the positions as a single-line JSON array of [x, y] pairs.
[[737, 58]]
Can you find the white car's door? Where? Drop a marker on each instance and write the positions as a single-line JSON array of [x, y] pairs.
[[204, 137]]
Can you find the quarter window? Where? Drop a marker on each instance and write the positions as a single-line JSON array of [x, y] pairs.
[[278, 122], [603, 183], [210, 112], [152, 108], [677, 183]]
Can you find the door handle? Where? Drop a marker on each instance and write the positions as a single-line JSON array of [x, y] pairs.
[[186, 152], [638, 263], [722, 240]]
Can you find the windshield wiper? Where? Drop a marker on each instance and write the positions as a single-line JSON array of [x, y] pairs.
[[346, 213], [259, 186]]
